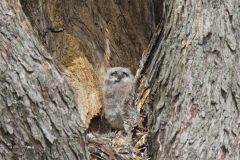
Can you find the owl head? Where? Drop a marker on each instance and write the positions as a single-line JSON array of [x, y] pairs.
[[118, 74]]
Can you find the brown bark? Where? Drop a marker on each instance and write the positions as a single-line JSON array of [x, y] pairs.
[[86, 37], [188, 81], [39, 116]]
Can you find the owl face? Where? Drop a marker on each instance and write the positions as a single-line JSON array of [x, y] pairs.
[[118, 74]]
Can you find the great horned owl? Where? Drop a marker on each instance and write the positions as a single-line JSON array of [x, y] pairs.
[[117, 85]]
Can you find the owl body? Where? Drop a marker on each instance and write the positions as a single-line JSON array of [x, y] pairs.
[[117, 85]]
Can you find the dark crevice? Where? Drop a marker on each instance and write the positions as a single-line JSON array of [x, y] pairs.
[[98, 124], [224, 94], [235, 102], [224, 150], [207, 38]]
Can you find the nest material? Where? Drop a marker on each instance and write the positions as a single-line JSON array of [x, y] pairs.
[[119, 145]]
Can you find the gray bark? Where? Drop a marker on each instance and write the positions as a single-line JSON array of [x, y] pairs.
[[190, 76], [187, 81], [39, 117]]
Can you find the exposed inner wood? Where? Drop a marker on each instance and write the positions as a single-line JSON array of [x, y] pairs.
[[86, 37]]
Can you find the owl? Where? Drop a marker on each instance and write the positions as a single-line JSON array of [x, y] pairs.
[[117, 84]]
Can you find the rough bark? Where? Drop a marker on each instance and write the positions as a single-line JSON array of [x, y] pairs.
[[189, 81], [39, 116]]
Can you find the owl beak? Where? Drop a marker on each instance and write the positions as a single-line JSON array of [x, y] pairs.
[[112, 80], [117, 79]]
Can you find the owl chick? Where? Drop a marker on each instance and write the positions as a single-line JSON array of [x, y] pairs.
[[117, 85]]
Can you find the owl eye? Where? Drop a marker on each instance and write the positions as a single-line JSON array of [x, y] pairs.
[[125, 74], [114, 73]]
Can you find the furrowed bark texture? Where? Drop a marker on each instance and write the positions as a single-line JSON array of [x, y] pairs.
[[86, 37], [190, 76], [38, 115]]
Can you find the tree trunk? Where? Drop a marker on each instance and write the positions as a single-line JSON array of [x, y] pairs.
[[188, 81], [39, 116]]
